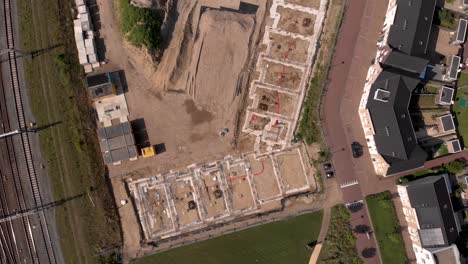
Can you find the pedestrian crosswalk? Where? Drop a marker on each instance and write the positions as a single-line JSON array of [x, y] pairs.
[[349, 183]]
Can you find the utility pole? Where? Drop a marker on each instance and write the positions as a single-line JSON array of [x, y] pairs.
[[18, 131], [19, 52]]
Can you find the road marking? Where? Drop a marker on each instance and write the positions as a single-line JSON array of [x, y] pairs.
[[349, 183]]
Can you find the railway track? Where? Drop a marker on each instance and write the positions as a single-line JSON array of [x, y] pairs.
[[25, 154]]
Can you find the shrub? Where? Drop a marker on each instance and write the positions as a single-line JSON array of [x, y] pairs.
[[455, 166], [141, 26], [446, 19]]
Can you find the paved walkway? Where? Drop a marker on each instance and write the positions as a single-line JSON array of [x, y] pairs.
[[322, 235]]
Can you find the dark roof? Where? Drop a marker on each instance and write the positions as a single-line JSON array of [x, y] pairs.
[[98, 79], [412, 26], [394, 132], [447, 122], [454, 65], [431, 200], [117, 142], [417, 158], [405, 62], [461, 30], [101, 90], [455, 145], [446, 95]]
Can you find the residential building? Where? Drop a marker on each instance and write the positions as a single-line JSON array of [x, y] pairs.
[[432, 224], [400, 64]]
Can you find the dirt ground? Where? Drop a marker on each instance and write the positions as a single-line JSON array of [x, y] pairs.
[[276, 102], [195, 91], [296, 21], [288, 48], [283, 75], [291, 170], [307, 3], [266, 183], [193, 103]]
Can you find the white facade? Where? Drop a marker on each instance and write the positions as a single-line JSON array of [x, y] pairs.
[[423, 255], [380, 165]]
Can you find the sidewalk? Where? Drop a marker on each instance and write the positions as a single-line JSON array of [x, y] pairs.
[[323, 233]]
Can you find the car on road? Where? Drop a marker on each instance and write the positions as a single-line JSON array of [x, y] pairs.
[[356, 149]]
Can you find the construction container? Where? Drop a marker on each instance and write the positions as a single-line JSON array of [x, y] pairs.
[[92, 58], [82, 9], [148, 152]]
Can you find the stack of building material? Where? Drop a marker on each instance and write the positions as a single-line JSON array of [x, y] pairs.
[[84, 37]]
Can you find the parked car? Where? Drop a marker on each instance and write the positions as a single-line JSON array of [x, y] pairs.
[[327, 166], [356, 149], [330, 174]]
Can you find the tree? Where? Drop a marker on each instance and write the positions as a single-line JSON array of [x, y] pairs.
[[361, 229], [455, 166], [368, 252]]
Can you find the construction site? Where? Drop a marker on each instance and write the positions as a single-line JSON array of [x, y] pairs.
[[222, 105], [216, 192]]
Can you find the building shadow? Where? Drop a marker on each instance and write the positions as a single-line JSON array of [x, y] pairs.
[[31, 54], [123, 80], [140, 133], [44, 206], [97, 25], [39, 128]]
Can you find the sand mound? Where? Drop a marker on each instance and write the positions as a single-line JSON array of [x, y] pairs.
[[216, 43]]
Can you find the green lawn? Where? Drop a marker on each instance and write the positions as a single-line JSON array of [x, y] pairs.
[[278, 242], [463, 80], [340, 243], [426, 101], [386, 227], [461, 112]]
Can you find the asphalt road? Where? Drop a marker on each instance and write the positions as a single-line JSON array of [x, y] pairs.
[[356, 46], [16, 227]]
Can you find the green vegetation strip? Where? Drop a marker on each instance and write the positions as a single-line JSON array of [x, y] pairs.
[[452, 167], [309, 126], [141, 26], [278, 242], [340, 243], [87, 221], [460, 107], [387, 228]]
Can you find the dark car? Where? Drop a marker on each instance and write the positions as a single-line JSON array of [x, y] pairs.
[[327, 166], [330, 174], [356, 149]]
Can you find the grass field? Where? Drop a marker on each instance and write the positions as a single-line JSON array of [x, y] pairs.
[[340, 244], [58, 100], [274, 243], [386, 227], [461, 112]]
